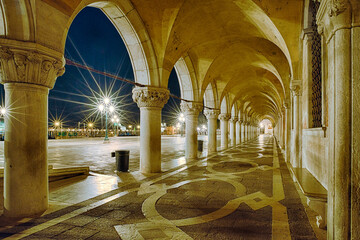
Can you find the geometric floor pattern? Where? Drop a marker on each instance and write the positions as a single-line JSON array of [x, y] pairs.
[[244, 192]]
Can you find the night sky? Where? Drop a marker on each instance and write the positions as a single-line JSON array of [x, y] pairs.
[[94, 41]]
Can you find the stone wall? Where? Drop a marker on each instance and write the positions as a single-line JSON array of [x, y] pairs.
[[315, 154]]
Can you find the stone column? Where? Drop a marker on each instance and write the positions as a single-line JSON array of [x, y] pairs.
[[212, 116], [242, 131], [191, 111], [355, 150], [282, 131], [295, 159], [224, 120], [287, 137], [233, 121], [150, 100], [335, 24], [238, 132], [245, 131], [27, 75], [251, 132]]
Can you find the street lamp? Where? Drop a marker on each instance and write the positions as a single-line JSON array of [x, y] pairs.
[[90, 126], [115, 119], [3, 111], [107, 107], [57, 124]]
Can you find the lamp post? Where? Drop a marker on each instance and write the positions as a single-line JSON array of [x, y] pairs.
[[116, 121], [90, 126], [57, 124], [107, 107]]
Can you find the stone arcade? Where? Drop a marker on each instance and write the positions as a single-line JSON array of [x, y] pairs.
[[296, 63]]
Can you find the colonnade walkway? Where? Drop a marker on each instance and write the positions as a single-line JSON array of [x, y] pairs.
[[244, 192]]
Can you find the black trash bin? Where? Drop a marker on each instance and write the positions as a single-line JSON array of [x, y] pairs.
[[122, 160], [200, 145]]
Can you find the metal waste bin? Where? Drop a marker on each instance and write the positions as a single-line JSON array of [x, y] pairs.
[[200, 145], [122, 160]]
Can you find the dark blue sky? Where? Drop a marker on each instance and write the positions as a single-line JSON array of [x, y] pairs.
[[93, 40]]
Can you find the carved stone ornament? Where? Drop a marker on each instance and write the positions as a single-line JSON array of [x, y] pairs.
[[234, 119], [336, 7], [191, 108], [24, 66], [224, 117], [150, 96], [211, 113], [296, 90]]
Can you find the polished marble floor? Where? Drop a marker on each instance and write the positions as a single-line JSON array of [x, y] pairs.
[[244, 192], [93, 153]]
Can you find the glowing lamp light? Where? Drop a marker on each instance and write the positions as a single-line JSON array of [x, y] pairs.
[[101, 107], [130, 126], [90, 124], [57, 124], [106, 100], [3, 111], [138, 126], [181, 117], [111, 109]]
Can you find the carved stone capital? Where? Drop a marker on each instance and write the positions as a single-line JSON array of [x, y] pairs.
[[191, 108], [337, 7], [234, 119], [295, 90], [211, 113], [150, 96], [29, 66], [224, 117]]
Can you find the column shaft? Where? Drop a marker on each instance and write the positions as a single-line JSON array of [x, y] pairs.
[[246, 132], [342, 150], [191, 111], [238, 132], [224, 133], [243, 135], [212, 142], [212, 116], [233, 131], [295, 160], [150, 140], [26, 171], [191, 136]]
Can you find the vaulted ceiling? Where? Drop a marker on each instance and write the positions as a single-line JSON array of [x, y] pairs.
[[248, 48]]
